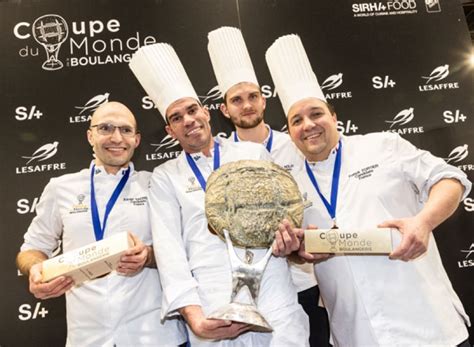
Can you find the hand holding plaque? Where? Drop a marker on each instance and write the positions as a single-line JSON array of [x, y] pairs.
[[245, 202], [350, 241]]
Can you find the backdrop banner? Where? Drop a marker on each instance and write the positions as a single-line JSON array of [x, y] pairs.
[[387, 65]]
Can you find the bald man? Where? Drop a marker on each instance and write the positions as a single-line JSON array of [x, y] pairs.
[[124, 307]]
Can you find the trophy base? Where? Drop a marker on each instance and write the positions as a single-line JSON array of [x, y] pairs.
[[243, 313], [52, 65]]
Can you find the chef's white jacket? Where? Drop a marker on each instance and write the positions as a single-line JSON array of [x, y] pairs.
[[115, 310], [372, 300], [194, 264]]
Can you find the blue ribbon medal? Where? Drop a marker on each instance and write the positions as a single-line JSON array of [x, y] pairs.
[[98, 229], [269, 143], [331, 207], [197, 172]]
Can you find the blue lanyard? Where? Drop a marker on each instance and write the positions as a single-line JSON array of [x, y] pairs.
[[269, 143], [98, 230], [197, 172], [331, 207]]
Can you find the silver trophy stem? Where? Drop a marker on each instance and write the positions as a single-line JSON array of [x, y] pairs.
[[244, 275]]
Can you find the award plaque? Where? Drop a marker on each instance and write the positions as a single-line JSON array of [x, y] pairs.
[[350, 241], [245, 202], [90, 261]]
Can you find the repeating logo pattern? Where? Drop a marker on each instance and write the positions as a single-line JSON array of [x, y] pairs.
[[403, 117], [335, 82], [43, 153], [457, 154]]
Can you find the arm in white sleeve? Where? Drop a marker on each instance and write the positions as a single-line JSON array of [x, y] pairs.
[[46, 228], [424, 170], [179, 286], [41, 239]]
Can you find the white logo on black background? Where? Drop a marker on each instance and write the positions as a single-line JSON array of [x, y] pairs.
[[86, 111], [166, 142], [384, 8], [379, 82], [438, 74], [469, 251], [457, 154], [402, 118], [347, 127], [467, 261], [469, 204], [24, 113], [214, 98], [432, 6], [93, 104], [51, 31], [27, 312], [212, 95], [333, 82], [161, 149], [45, 152], [83, 47], [453, 117], [24, 206]]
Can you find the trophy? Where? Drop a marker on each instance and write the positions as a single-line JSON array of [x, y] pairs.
[[50, 31], [245, 201]]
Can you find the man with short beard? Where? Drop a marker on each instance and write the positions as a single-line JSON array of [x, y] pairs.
[[244, 105], [122, 308]]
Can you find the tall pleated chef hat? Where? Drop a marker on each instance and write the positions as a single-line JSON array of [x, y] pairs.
[[291, 71], [230, 58], [160, 72]]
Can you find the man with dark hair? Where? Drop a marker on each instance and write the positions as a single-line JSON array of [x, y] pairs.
[[194, 264], [369, 181]]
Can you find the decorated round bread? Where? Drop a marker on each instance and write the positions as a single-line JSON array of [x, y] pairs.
[[250, 198]]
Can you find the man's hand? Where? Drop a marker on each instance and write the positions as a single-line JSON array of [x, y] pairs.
[[52, 289], [287, 239], [135, 258], [312, 257], [214, 329], [415, 236]]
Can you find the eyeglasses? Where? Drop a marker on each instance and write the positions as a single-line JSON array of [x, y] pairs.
[[109, 129]]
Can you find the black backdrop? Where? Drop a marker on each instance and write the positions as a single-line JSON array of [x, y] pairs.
[[389, 65]]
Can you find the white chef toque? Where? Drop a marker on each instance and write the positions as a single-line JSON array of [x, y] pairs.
[[291, 71], [230, 58], [160, 72]]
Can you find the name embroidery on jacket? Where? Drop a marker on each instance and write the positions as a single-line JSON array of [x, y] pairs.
[[365, 172]]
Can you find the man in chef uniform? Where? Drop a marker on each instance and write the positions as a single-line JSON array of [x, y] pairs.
[[365, 181], [193, 263], [244, 105], [122, 308]]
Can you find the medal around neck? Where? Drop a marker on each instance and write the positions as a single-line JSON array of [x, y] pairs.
[[245, 201]]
